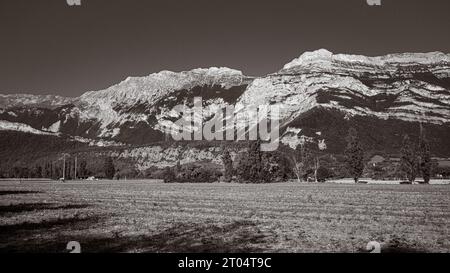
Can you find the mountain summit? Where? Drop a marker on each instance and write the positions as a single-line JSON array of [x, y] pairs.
[[325, 57]]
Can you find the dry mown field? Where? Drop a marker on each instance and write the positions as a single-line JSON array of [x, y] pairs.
[[145, 216]]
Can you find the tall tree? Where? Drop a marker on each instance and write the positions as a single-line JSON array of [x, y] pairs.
[[408, 159], [228, 165], [425, 158], [249, 168], [321, 146], [299, 159], [37, 171], [354, 155], [276, 167], [255, 160], [68, 169], [83, 169], [109, 168], [47, 171]]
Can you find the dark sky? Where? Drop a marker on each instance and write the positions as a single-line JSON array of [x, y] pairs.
[[47, 47]]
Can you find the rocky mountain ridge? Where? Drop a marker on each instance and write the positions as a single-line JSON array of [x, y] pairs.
[[407, 89]]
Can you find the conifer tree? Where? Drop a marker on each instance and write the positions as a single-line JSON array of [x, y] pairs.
[[425, 158], [228, 165], [354, 155], [408, 159]]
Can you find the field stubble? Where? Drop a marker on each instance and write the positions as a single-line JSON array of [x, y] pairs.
[[147, 216]]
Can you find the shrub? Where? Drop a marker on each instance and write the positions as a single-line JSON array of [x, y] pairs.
[[198, 173], [323, 174], [126, 173], [168, 175]]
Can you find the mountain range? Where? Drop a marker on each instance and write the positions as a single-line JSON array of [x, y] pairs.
[[322, 95]]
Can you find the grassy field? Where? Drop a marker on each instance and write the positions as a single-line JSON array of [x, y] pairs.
[[146, 216]]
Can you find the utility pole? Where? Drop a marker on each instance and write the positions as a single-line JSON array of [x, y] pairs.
[[64, 167], [75, 176]]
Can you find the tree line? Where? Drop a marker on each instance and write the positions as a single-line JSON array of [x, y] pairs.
[[57, 169], [309, 161], [305, 163]]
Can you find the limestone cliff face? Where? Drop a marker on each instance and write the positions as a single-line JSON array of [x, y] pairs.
[[319, 92]]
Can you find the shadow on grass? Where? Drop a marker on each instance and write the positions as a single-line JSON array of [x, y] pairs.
[[43, 236], [17, 192], [399, 244], [239, 236], [402, 249], [72, 223], [19, 208], [399, 247]]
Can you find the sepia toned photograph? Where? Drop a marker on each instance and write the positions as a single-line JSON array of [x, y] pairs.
[[226, 127]]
